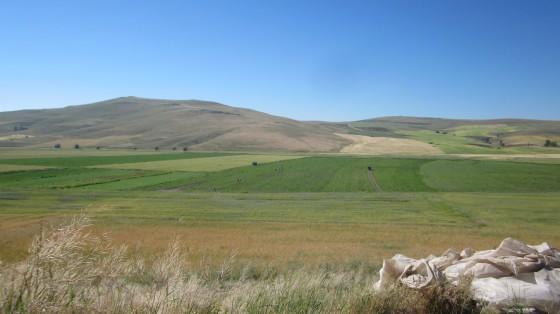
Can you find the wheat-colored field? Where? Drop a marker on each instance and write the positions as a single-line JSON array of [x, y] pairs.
[[203, 164], [67, 151], [362, 144], [8, 168]]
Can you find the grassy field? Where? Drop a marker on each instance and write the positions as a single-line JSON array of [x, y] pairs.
[[490, 176], [350, 174], [64, 178], [313, 210], [285, 229], [455, 143], [314, 174], [467, 136], [277, 173], [483, 130]]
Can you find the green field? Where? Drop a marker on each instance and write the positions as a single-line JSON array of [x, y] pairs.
[[314, 174], [467, 136], [350, 174], [454, 143], [312, 210], [483, 130], [287, 228], [66, 177], [310, 174], [490, 176]]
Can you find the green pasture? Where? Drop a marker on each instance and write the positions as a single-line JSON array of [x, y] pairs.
[[153, 180], [65, 178], [483, 129], [350, 174], [299, 227], [490, 176], [460, 143], [276, 174], [317, 209], [433, 208], [452, 144], [314, 174]]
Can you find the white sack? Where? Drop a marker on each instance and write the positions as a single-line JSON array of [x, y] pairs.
[[540, 290], [513, 273]]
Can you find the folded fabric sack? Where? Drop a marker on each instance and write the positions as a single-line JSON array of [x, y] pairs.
[[515, 273]]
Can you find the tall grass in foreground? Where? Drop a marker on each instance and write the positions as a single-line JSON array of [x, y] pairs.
[[69, 270]]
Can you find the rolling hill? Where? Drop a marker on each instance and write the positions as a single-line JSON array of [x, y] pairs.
[[132, 122], [466, 136], [147, 123]]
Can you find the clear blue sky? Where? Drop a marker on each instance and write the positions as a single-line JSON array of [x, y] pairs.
[[327, 60]]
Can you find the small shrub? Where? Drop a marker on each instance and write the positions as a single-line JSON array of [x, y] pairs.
[[549, 143]]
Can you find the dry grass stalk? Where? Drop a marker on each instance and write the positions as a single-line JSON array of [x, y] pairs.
[[70, 270]]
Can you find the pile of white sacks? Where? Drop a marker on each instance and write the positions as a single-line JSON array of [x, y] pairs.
[[513, 274]]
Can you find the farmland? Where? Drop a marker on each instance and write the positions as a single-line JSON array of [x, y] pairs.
[[91, 158], [504, 136], [287, 228], [202, 164], [11, 168], [349, 174], [285, 211]]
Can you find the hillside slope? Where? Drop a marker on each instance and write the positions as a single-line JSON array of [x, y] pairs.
[[466, 136], [128, 122], [147, 123]]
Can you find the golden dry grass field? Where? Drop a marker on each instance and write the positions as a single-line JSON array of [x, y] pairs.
[[202, 164], [10, 168], [386, 146]]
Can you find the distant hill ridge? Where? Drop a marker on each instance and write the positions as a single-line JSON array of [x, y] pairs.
[[145, 123], [204, 125]]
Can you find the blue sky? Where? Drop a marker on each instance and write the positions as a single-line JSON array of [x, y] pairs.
[[324, 60]]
